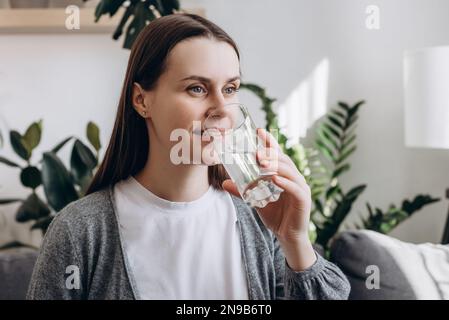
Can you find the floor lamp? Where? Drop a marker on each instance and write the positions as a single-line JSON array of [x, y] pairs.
[[426, 100]]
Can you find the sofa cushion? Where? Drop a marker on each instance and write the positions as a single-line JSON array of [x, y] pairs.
[[406, 270], [16, 266]]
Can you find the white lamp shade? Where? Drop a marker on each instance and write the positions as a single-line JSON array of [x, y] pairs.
[[426, 97]]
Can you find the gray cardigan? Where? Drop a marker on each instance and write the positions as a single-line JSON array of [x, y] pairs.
[[84, 241]]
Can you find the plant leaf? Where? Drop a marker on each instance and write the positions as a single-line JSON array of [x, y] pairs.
[[326, 151], [9, 200], [345, 155], [43, 223], [335, 121], [332, 130], [93, 135], [19, 146], [60, 145], [119, 30], [338, 114], [57, 183], [8, 162], [343, 105], [31, 209], [32, 135], [82, 162], [326, 138], [142, 16]]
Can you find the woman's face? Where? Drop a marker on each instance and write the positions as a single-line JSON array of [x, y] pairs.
[[201, 74]]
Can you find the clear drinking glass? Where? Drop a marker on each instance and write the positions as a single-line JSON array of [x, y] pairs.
[[235, 139]]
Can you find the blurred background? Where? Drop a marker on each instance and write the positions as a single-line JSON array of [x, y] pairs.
[[307, 55]]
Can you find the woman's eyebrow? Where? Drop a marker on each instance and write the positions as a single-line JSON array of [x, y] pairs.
[[207, 80]]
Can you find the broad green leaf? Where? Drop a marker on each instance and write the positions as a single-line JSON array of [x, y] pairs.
[[32, 135], [93, 135], [19, 145], [57, 183], [169, 6], [141, 17], [107, 6], [126, 15], [82, 162], [31, 209]]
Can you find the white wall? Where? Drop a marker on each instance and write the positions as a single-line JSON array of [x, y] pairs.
[[65, 80], [282, 42], [68, 80]]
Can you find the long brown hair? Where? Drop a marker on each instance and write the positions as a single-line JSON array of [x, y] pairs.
[[128, 147]]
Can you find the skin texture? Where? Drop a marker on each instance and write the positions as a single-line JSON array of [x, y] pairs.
[[202, 75]]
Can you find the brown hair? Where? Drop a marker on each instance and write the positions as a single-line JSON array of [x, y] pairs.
[[127, 151]]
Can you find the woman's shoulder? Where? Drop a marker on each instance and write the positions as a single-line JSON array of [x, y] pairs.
[[92, 213]]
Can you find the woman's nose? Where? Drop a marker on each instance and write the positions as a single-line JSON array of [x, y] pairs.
[[217, 99]]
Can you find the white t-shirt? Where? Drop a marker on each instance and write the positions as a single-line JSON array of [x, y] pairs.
[[181, 250]]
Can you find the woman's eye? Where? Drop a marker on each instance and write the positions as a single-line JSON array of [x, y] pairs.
[[197, 90], [231, 90]]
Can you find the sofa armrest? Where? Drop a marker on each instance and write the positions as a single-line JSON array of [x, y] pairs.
[[406, 271]]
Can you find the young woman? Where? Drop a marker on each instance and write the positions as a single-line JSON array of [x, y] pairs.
[[152, 229]]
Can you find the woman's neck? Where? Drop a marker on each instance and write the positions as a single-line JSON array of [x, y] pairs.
[[177, 183]]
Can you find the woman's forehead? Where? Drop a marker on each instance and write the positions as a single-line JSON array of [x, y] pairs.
[[203, 57]]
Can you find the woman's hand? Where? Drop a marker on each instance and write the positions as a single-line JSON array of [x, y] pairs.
[[288, 217]]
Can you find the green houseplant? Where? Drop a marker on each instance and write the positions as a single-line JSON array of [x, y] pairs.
[[139, 12], [323, 163], [61, 185]]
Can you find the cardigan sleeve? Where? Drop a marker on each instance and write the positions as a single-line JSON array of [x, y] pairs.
[[321, 281], [57, 274]]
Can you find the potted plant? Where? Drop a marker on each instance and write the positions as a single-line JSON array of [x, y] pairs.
[[61, 185]]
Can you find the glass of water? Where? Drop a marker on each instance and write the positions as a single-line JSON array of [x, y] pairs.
[[235, 139]]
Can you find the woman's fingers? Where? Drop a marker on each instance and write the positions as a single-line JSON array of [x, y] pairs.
[[230, 186], [280, 168], [285, 170], [267, 139], [270, 148], [288, 185]]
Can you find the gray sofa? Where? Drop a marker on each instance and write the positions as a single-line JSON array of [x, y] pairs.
[[16, 265], [405, 271]]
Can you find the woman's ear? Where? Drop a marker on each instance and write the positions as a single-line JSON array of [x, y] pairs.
[[140, 100]]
